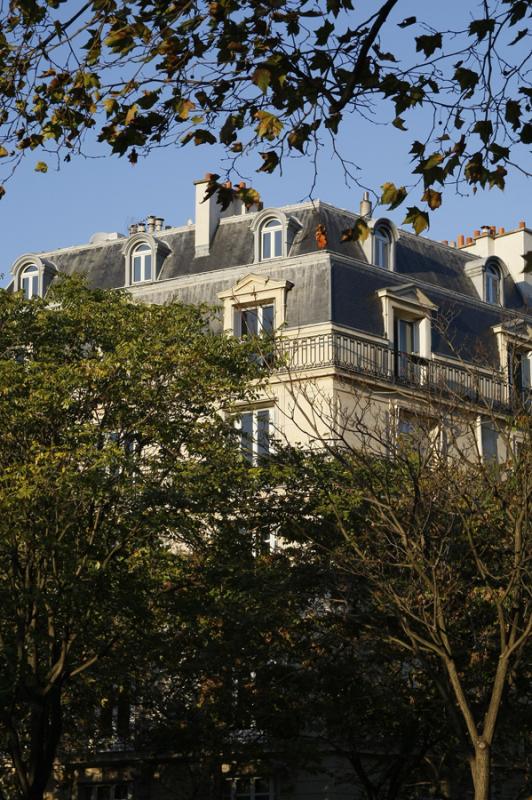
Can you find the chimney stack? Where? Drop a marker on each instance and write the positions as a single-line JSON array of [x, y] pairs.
[[522, 225], [159, 223], [207, 216], [461, 240], [150, 226], [365, 206]]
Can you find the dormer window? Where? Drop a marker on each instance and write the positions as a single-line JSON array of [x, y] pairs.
[[492, 285], [272, 239], [381, 247], [29, 282], [254, 321], [141, 263]]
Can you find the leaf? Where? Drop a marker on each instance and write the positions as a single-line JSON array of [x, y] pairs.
[[392, 195], [467, 79], [2, 191], [481, 27], [359, 232], [271, 160], [183, 107], [407, 22], [110, 105], [248, 195], [399, 123], [323, 33], [432, 198], [526, 133], [513, 113], [484, 128], [321, 236], [417, 218], [200, 136], [269, 126], [520, 34], [384, 56], [262, 78], [528, 261], [498, 152], [3, 152], [428, 43], [131, 114], [41, 166]]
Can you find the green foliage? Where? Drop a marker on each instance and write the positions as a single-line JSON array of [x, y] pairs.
[[114, 453], [280, 74]]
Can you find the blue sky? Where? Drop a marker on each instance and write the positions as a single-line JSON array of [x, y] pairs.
[[66, 206]]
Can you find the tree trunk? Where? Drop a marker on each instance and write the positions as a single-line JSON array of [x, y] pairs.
[[481, 771]]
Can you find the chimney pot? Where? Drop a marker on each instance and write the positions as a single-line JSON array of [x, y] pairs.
[[469, 240], [365, 205], [476, 234], [452, 244], [445, 241], [461, 240], [141, 227], [150, 226], [132, 228], [522, 225], [501, 231], [159, 223]]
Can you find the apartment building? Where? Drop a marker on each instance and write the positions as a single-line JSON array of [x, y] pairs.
[[373, 335]]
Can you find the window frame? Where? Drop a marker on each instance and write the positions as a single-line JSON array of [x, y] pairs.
[[272, 231], [493, 278], [34, 280], [382, 246], [252, 794], [142, 251], [241, 310], [253, 450]]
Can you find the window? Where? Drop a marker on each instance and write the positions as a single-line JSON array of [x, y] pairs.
[[272, 239], [248, 789], [141, 264], [492, 285], [104, 791], [255, 320], [255, 433], [520, 373], [30, 282], [381, 248], [408, 364], [489, 439]]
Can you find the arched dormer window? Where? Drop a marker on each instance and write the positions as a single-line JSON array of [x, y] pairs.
[[492, 284], [141, 263], [381, 247], [29, 281], [32, 275], [274, 233], [271, 239]]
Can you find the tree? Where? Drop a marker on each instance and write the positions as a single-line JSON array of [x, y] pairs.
[[442, 547], [113, 453], [271, 75]]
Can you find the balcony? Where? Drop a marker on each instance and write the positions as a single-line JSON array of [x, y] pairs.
[[357, 356]]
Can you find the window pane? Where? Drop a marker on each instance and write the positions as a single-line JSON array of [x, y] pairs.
[[267, 319], [526, 371], [273, 223], [489, 443], [34, 286], [266, 245], [278, 243], [26, 288], [147, 267], [121, 791], [263, 433], [84, 792], [250, 322], [103, 793], [136, 269], [246, 435], [142, 248], [262, 787]]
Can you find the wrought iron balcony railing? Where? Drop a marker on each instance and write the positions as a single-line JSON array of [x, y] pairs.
[[353, 354]]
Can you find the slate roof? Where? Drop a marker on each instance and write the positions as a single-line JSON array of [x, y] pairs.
[[345, 293]]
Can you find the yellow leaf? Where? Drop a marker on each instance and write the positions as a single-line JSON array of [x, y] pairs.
[[3, 152], [41, 166], [269, 126], [131, 114]]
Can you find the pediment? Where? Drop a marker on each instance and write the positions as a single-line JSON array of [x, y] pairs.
[[516, 329], [408, 294], [253, 284]]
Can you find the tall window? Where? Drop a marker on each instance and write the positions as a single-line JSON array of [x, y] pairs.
[[272, 239], [248, 789], [407, 361], [493, 285], [382, 247], [141, 264], [255, 432], [254, 321], [30, 282], [103, 791]]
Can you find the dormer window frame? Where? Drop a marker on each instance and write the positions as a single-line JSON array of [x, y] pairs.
[[285, 225], [383, 258], [254, 292], [493, 283], [45, 272], [157, 251], [141, 261], [408, 307]]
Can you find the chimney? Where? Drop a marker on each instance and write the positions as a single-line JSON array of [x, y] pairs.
[[522, 225], [159, 223], [365, 206], [461, 240], [501, 231], [141, 227], [476, 234], [445, 241], [132, 229], [469, 240], [207, 217], [150, 227]]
